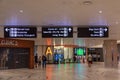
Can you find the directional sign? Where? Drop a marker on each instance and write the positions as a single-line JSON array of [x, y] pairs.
[[20, 32], [57, 32], [98, 32]]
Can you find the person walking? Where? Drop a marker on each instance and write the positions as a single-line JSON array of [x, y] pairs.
[[36, 61], [44, 59], [40, 60], [89, 59]]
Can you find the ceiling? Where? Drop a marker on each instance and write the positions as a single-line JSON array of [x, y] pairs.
[[63, 12]]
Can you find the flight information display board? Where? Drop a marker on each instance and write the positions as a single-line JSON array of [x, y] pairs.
[[92, 32], [57, 32], [20, 32]]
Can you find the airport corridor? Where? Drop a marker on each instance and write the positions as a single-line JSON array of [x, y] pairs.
[[71, 71]]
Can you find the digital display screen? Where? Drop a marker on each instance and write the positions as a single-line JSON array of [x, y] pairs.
[[79, 51], [57, 32], [97, 32], [20, 32]]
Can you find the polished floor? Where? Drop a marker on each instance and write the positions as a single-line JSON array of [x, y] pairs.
[[63, 72]]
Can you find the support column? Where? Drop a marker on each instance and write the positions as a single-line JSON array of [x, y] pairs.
[[110, 53]]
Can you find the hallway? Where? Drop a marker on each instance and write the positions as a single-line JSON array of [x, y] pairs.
[[63, 72]]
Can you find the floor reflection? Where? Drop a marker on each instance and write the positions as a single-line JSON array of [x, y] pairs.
[[62, 72]]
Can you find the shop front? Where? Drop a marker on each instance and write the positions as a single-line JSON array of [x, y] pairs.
[[16, 54]]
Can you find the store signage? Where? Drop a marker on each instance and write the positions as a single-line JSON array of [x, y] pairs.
[[20, 32], [9, 42], [57, 32], [95, 31], [49, 51]]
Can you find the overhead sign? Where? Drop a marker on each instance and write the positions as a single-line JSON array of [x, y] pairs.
[[97, 32], [20, 32], [57, 32]]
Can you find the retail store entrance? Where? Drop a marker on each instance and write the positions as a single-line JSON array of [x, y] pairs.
[[12, 58], [16, 54]]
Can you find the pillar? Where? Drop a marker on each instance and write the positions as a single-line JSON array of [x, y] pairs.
[[110, 53]]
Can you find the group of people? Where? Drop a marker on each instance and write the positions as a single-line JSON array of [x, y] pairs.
[[79, 59], [40, 60]]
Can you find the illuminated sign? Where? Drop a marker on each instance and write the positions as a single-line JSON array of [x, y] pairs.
[[97, 31], [20, 32], [79, 51], [49, 51], [57, 32]]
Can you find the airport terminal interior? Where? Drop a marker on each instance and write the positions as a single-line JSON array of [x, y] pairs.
[[59, 40]]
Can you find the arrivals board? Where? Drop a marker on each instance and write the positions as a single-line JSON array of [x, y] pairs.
[[93, 32], [57, 32], [20, 32]]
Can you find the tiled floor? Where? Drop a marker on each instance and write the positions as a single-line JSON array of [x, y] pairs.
[[63, 72]]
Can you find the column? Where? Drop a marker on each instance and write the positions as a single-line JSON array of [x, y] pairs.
[[110, 52]]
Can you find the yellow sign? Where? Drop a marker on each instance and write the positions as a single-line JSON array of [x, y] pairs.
[[49, 51]]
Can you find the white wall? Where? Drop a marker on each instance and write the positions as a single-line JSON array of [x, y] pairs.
[[68, 52]]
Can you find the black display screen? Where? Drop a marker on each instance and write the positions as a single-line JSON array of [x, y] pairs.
[[57, 32], [20, 32], [97, 32]]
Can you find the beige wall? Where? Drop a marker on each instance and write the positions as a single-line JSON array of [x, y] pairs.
[[110, 53]]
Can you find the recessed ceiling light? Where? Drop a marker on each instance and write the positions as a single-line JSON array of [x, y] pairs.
[[100, 12], [21, 11], [116, 22], [87, 2]]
